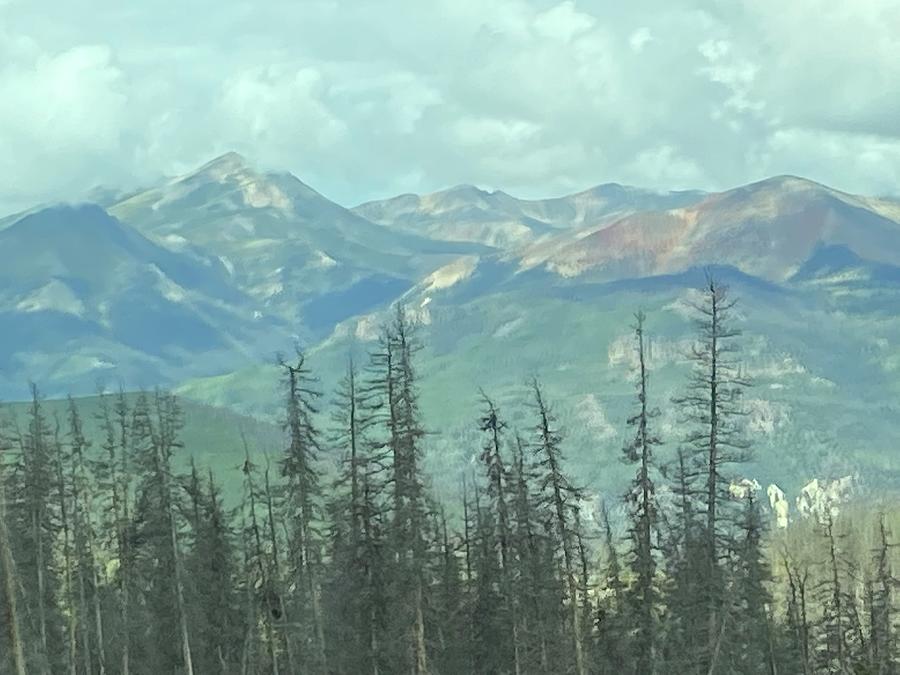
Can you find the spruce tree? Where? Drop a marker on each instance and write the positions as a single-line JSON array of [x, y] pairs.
[[559, 500], [9, 594], [303, 509], [714, 440], [508, 643], [643, 596]]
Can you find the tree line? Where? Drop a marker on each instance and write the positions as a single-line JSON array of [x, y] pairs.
[[113, 560]]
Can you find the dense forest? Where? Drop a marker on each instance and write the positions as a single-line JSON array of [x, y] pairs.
[[337, 558]]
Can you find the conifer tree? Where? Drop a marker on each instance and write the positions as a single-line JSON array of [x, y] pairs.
[[643, 596], [751, 648], [37, 524], [882, 623], [85, 543], [9, 594], [155, 535], [112, 470], [213, 606], [408, 544], [797, 619], [354, 587], [559, 498], [498, 478], [299, 467], [715, 440]]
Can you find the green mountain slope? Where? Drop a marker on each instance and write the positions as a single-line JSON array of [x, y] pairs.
[[212, 436]]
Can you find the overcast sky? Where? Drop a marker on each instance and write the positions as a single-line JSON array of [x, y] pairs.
[[369, 98]]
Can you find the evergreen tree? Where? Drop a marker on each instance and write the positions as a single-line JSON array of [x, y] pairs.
[[715, 440], [112, 470], [408, 546], [882, 623], [355, 593], [35, 522], [750, 648], [303, 511], [559, 499], [643, 596], [507, 644], [213, 605], [165, 644], [9, 594]]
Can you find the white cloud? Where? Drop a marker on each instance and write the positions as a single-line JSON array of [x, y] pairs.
[[639, 39], [365, 99]]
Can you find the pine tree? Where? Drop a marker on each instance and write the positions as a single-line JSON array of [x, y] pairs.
[[262, 593], [210, 565], [398, 386], [112, 470], [612, 621], [797, 620], [303, 507], [643, 596], [354, 587], [883, 633], [37, 524], [73, 610], [9, 595], [832, 652], [751, 643], [498, 479], [715, 439], [84, 539], [559, 498], [155, 534], [685, 608]]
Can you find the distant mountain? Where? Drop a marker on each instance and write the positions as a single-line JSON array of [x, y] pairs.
[[767, 229], [197, 281], [83, 296], [298, 254], [466, 213], [815, 271]]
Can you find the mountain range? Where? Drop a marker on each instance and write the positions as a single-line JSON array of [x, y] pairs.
[[196, 282]]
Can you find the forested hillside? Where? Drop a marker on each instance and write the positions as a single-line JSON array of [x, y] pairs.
[[120, 553]]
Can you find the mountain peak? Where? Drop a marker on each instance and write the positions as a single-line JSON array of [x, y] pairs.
[[786, 183], [223, 166]]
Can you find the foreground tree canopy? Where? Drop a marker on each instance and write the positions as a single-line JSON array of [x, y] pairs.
[[114, 561]]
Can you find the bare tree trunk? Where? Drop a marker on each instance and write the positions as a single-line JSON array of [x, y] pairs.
[[179, 592], [7, 566], [74, 610], [98, 614], [41, 584], [421, 667], [276, 572]]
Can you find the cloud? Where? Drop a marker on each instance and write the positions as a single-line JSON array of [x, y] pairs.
[[366, 99]]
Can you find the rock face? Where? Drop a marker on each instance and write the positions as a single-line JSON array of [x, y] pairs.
[[819, 498], [780, 505], [744, 488]]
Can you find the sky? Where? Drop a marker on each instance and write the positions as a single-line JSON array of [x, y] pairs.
[[365, 99]]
